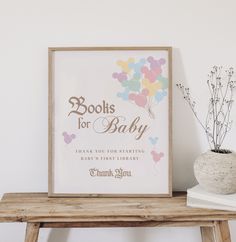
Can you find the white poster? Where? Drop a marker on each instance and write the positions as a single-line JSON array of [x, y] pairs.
[[109, 123]]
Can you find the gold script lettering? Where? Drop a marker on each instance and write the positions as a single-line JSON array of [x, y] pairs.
[[112, 124]]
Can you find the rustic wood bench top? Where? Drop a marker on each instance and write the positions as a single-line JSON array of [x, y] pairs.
[[37, 207], [40, 211]]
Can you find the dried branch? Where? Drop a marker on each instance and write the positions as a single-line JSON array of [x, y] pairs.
[[217, 122]]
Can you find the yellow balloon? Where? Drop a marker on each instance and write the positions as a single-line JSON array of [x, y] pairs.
[[125, 65], [152, 87]]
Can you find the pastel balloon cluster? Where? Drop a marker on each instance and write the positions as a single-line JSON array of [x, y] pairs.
[[142, 80]]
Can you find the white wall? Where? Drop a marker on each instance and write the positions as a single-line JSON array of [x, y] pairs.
[[202, 34]]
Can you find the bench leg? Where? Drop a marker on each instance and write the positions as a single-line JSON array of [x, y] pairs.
[[222, 232], [32, 232], [218, 233], [207, 234]]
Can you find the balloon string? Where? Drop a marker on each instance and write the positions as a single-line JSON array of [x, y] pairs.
[[149, 109], [150, 112]]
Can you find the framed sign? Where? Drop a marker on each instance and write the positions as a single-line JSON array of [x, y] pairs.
[[110, 121]]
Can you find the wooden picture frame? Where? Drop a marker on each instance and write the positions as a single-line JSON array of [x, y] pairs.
[[83, 144]]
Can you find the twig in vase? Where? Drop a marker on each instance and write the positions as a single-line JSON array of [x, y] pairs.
[[218, 122]]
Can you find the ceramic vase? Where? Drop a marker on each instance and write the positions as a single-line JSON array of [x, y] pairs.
[[216, 172]]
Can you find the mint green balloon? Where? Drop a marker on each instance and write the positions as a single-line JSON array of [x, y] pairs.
[[132, 85]]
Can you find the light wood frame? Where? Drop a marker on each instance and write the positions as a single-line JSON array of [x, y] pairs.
[[51, 50]]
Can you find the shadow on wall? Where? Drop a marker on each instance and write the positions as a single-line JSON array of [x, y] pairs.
[[58, 235], [138, 235], [186, 146]]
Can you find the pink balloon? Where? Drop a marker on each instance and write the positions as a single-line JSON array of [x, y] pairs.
[[132, 96], [150, 74], [141, 100]]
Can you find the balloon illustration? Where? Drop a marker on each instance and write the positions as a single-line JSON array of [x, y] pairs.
[[156, 156], [142, 82], [68, 137]]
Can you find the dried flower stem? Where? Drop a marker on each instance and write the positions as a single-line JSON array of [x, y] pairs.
[[218, 122]]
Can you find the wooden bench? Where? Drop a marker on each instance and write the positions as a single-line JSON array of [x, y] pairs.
[[39, 211]]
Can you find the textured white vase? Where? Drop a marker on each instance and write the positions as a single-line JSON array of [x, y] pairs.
[[216, 172]]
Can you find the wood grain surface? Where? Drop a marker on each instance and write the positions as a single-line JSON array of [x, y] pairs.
[[37, 207], [32, 232]]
